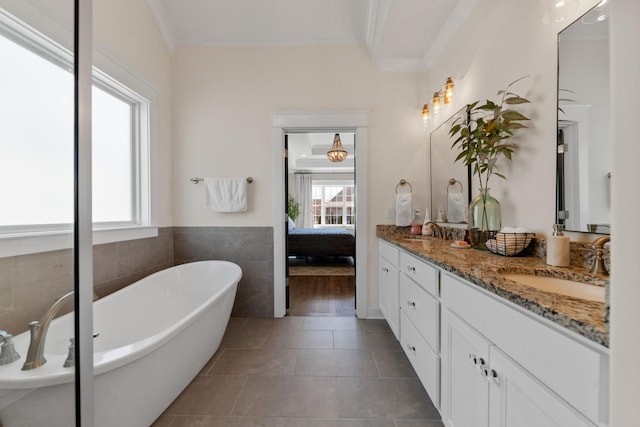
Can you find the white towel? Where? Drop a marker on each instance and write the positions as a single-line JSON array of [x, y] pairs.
[[456, 208], [404, 209], [226, 194]]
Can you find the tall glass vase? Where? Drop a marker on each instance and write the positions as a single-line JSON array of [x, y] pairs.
[[484, 218]]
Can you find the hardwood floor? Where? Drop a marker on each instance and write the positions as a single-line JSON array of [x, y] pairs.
[[322, 296]]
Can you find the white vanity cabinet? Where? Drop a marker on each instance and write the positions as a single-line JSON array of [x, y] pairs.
[[388, 282], [503, 368], [485, 361]]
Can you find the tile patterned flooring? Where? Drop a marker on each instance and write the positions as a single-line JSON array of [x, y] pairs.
[[305, 372]]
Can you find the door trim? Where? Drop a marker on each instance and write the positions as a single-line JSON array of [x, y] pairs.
[[297, 121]]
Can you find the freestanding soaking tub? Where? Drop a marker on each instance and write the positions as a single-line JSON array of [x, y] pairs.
[[154, 337]]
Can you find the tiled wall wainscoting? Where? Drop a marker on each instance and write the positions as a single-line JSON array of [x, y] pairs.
[[29, 284], [249, 247], [116, 265]]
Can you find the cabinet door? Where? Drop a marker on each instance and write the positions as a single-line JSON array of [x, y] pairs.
[[388, 294], [518, 399], [465, 389]]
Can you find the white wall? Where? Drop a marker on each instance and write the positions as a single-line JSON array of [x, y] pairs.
[[223, 101], [126, 30], [503, 41], [625, 292]]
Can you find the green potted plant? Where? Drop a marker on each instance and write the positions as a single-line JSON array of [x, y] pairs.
[[482, 135], [294, 208]]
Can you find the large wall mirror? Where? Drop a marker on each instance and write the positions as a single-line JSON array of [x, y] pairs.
[[584, 160], [449, 179]]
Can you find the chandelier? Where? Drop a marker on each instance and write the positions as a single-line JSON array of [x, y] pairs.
[[337, 153]]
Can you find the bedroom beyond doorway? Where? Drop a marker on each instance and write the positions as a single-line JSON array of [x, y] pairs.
[[321, 227]]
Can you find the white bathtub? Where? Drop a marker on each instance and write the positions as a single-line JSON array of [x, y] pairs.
[[154, 337]]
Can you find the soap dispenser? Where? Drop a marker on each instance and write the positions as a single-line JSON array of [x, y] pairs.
[[558, 247], [416, 225]]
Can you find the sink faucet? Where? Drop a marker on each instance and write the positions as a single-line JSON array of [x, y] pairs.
[[434, 227], [38, 328], [597, 246]]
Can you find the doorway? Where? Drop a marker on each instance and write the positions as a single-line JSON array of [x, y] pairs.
[[301, 121], [321, 224]]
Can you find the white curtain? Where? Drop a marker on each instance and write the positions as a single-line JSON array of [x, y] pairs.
[[304, 197]]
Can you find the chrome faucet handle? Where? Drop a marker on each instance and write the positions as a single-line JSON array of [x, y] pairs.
[[8, 353], [71, 357]]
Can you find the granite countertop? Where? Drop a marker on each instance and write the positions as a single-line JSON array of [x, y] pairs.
[[487, 270]]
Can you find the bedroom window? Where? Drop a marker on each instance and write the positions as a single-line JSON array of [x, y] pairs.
[[333, 205]]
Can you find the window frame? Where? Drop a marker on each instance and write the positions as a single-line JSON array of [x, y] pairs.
[[111, 75], [344, 183]]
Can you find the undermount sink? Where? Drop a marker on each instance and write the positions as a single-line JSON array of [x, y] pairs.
[[560, 286]]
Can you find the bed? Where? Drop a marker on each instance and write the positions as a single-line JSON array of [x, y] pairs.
[[321, 242]]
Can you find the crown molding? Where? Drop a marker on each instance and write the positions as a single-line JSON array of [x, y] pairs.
[[160, 15]]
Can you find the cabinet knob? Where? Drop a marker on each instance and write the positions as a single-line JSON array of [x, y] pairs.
[[385, 269], [411, 348], [411, 268], [477, 361], [411, 304], [491, 374]]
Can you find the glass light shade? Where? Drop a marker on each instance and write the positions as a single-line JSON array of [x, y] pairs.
[[436, 102], [425, 114], [337, 152], [448, 91]]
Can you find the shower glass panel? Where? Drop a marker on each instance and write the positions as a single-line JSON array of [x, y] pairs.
[[38, 213]]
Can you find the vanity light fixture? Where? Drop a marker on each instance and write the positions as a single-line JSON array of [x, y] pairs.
[[448, 91], [436, 102], [425, 114], [337, 153], [443, 96]]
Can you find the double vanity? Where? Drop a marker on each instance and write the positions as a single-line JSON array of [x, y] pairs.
[[497, 341]]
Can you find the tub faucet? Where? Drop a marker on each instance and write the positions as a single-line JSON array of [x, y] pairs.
[[38, 328], [597, 246]]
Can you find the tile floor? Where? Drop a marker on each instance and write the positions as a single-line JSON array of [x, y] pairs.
[[305, 372]]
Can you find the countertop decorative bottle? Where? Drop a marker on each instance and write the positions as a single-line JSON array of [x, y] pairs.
[[558, 247]]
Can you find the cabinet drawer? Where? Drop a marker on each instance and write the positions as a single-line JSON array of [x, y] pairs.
[[390, 252], [422, 273], [422, 309], [425, 362]]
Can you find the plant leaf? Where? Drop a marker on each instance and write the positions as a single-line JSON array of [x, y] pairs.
[[513, 115], [500, 175], [516, 100]]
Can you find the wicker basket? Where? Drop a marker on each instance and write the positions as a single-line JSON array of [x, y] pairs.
[[509, 244]]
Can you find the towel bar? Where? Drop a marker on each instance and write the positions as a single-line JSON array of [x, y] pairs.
[[197, 180]]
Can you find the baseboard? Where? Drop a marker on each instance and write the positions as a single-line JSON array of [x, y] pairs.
[[374, 313]]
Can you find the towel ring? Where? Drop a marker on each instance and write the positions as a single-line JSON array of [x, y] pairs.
[[402, 183], [453, 182]]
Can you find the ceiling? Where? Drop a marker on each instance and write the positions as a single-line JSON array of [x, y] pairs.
[[400, 34]]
